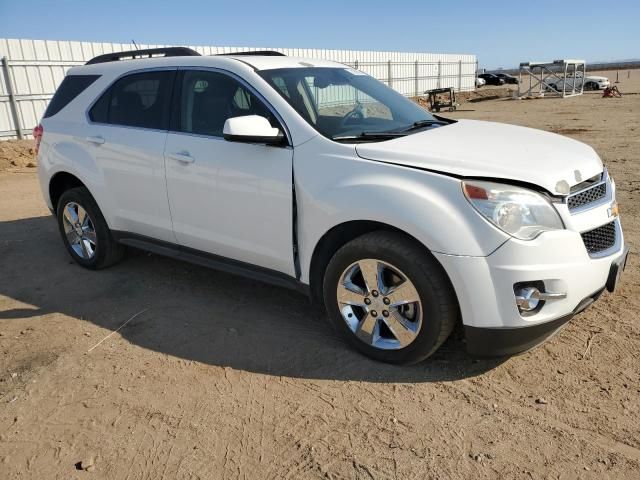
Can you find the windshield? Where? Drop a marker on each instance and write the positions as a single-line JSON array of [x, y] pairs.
[[345, 104]]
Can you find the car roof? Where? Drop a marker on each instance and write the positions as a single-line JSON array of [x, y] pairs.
[[267, 62], [256, 62]]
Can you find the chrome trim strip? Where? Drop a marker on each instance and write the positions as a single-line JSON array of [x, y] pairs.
[[552, 296]]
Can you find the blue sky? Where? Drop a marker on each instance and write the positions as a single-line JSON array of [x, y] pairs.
[[501, 33]]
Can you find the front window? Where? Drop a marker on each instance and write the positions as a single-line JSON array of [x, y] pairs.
[[209, 98], [344, 104]]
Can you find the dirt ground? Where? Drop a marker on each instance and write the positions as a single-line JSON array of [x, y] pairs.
[[16, 155], [215, 376]]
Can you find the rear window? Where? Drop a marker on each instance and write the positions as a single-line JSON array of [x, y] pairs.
[[70, 88], [137, 100]]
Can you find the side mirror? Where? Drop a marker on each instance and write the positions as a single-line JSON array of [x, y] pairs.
[[251, 129]]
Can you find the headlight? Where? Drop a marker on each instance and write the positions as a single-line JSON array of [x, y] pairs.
[[517, 211]]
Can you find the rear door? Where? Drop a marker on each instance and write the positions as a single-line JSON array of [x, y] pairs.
[[127, 133], [227, 198]]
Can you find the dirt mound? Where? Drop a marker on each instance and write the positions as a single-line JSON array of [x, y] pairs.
[[17, 154]]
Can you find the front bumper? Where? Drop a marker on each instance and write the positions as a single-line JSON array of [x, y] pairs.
[[485, 288], [492, 342]]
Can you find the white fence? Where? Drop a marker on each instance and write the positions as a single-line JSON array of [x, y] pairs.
[[32, 70]]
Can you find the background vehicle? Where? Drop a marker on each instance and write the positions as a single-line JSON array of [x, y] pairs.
[[480, 82], [591, 82], [491, 79], [384, 213], [507, 78]]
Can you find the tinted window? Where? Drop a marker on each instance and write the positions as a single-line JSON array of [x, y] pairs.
[[208, 99], [70, 88], [281, 85], [138, 100]]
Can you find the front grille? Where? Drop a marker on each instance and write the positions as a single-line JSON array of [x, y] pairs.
[[588, 196], [600, 239]]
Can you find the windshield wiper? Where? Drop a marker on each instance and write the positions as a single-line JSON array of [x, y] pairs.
[[369, 136], [422, 124]]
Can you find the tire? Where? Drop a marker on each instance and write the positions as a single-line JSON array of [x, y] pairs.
[[430, 320], [96, 248], [591, 86]]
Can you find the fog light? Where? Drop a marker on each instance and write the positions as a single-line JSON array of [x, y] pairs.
[[530, 298], [527, 298]]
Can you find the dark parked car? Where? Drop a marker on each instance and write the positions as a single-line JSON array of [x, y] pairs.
[[491, 79], [507, 78]]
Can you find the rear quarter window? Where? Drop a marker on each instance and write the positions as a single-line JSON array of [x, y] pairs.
[[70, 88]]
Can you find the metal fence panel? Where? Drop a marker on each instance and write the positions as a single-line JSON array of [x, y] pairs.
[[35, 68]]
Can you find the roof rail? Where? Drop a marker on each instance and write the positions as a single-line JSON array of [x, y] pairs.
[[262, 53], [147, 53]]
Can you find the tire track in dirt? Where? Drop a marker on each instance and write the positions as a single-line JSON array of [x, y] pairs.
[[543, 420]]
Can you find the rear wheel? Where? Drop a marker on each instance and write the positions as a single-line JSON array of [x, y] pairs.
[[390, 298], [85, 232]]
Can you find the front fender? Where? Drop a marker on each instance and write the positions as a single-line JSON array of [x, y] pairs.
[[338, 187]]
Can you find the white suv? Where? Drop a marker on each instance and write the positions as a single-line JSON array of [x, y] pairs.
[[310, 174]]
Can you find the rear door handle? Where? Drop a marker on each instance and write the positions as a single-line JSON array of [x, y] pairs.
[[97, 140], [182, 157]]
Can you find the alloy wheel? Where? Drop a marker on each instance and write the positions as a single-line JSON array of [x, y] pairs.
[[379, 304], [79, 230]]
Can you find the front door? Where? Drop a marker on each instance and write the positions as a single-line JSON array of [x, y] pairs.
[[227, 198]]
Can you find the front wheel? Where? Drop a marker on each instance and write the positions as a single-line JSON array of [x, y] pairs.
[[389, 297]]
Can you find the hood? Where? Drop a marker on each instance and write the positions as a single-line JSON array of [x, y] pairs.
[[472, 148], [593, 77]]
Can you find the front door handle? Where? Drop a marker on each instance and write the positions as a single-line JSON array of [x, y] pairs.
[[96, 140], [182, 157]]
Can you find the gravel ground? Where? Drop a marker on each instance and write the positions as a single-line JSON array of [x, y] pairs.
[[216, 376]]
